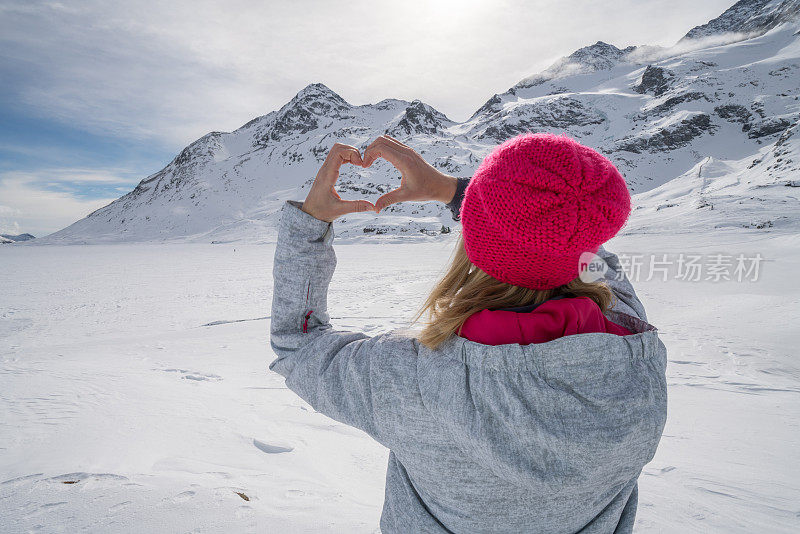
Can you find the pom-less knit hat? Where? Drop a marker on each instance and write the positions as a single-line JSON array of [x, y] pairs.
[[535, 204]]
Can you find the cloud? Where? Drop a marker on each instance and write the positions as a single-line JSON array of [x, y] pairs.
[[152, 76], [77, 176], [173, 71], [30, 202], [651, 54]]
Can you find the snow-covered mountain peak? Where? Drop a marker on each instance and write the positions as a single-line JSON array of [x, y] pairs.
[[597, 57], [746, 18], [312, 106], [749, 17], [419, 118], [316, 92], [657, 114], [390, 104]]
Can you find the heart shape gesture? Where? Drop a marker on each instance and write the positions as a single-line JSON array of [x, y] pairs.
[[323, 202], [419, 181]]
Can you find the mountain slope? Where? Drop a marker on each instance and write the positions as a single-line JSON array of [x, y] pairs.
[[748, 17], [657, 113], [9, 238], [761, 192]]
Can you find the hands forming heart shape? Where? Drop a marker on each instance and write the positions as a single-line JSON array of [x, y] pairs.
[[419, 181]]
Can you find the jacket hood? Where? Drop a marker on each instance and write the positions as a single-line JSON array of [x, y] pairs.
[[581, 411], [552, 319]]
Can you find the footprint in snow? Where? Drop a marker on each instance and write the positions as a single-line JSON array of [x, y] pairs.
[[270, 448], [20, 480], [183, 497], [193, 375], [41, 509], [119, 506], [655, 471], [75, 478]]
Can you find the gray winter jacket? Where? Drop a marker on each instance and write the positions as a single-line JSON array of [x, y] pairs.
[[546, 437]]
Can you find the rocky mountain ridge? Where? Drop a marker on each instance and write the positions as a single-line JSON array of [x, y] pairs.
[[656, 113], [750, 17]]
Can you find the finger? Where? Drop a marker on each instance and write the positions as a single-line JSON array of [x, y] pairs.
[[341, 153], [381, 142], [338, 155], [396, 140], [391, 140], [370, 152], [392, 197], [350, 155], [386, 149], [354, 206]]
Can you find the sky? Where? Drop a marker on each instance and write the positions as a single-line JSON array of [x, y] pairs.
[[96, 95]]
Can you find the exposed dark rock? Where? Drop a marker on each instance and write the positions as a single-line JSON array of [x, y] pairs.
[[733, 113], [557, 114], [748, 17], [671, 102], [758, 108], [418, 118], [671, 137], [491, 106], [201, 149], [655, 81], [770, 126]]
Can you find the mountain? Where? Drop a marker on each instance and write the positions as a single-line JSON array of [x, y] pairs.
[[8, 238], [760, 192], [657, 113], [750, 17], [599, 56]]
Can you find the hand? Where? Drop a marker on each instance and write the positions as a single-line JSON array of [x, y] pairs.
[[323, 202], [419, 181]]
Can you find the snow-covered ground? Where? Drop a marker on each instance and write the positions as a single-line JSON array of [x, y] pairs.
[[135, 394]]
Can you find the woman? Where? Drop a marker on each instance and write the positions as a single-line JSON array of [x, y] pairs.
[[531, 400]]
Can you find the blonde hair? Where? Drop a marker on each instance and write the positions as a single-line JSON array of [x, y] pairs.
[[465, 289]]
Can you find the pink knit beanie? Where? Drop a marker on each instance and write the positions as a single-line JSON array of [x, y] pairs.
[[535, 203]]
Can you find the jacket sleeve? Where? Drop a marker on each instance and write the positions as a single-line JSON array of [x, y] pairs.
[[458, 198], [347, 376], [627, 301]]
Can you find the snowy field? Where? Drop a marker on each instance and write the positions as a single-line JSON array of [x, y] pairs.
[[135, 394]]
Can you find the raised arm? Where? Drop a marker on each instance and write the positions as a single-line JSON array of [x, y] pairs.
[[329, 369], [348, 376]]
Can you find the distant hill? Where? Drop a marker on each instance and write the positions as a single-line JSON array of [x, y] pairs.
[[8, 238]]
